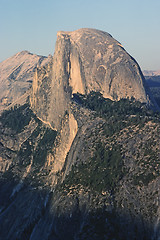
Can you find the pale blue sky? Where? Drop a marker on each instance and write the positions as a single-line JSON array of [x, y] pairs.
[[32, 25]]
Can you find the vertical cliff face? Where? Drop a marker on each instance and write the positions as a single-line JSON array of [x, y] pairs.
[[64, 140], [51, 91], [105, 66]]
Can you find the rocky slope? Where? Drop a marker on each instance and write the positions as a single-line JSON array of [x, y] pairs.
[[16, 75], [73, 164], [108, 187]]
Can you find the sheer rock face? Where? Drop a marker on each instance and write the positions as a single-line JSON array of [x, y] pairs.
[[104, 66], [85, 60], [16, 75]]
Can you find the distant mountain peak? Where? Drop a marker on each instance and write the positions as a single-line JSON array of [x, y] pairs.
[[151, 72], [17, 75]]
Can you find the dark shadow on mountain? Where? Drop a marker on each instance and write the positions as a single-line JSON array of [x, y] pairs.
[[152, 80], [152, 83], [35, 213], [31, 211]]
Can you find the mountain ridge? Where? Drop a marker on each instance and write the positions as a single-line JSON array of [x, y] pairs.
[[75, 164], [151, 72]]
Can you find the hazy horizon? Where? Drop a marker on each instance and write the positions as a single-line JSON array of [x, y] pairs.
[[33, 25]]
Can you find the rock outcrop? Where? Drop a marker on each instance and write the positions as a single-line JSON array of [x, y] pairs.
[[85, 60]]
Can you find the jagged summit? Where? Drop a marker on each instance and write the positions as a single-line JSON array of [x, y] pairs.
[[24, 52]]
